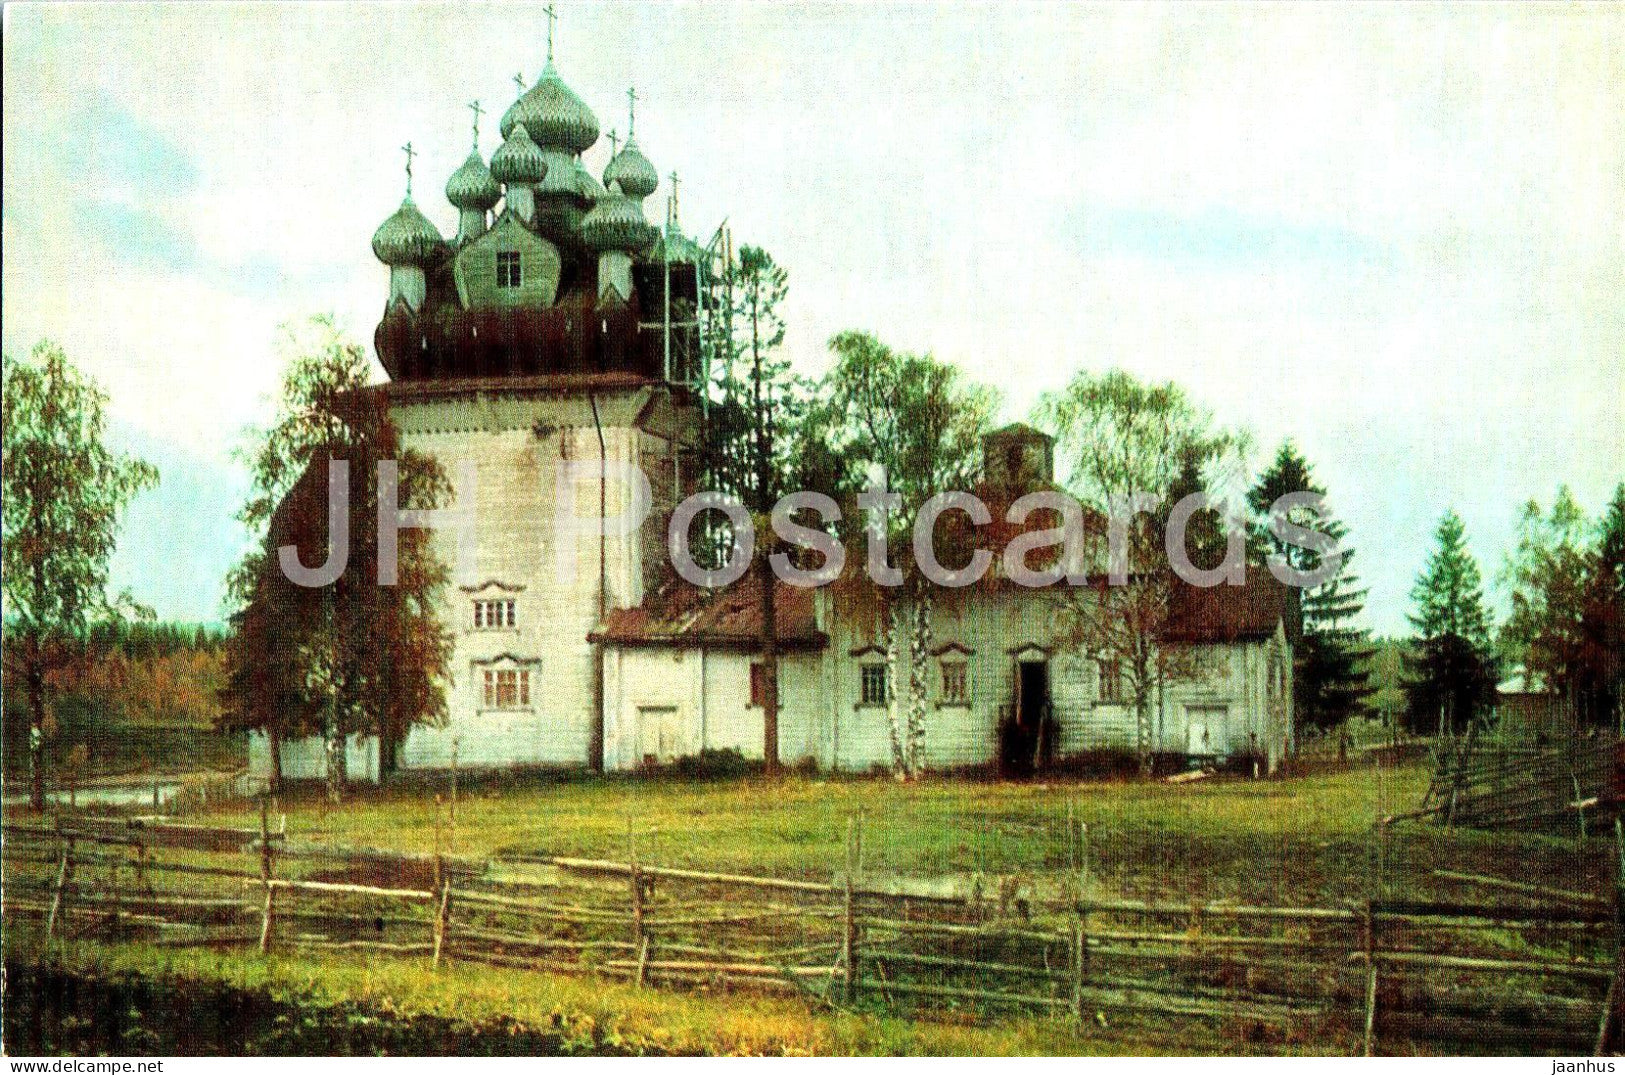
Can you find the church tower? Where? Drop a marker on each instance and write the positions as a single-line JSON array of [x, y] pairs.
[[545, 355]]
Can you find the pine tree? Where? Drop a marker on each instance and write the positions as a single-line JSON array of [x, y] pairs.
[[1452, 673], [1331, 680], [750, 434]]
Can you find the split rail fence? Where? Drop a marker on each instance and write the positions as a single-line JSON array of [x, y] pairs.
[[1523, 967]]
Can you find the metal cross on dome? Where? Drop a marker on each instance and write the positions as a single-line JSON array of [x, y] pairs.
[[519, 81], [410, 153], [474, 106], [631, 112], [552, 17]]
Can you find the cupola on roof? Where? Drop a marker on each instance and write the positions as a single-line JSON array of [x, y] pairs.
[[472, 186], [616, 223], [407, 237], [519, 159], [553, 115], [632, 170]]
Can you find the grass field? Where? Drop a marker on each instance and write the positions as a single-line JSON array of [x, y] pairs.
[[1304, 840], [1307, 839]]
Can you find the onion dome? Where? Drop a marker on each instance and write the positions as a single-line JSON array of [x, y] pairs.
[[472, 186], [406, 238], [632, 170], [675, 247], [519, 159], [616, 223], [553, 115]]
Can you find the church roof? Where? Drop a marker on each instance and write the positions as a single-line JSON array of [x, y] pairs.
[[519, 159], [632, 170], [472, 185], [553, 114], [616, 223], [729, 618], [407, 237]]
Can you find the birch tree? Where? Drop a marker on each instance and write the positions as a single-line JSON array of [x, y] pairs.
[[63, 492], [915, 424]]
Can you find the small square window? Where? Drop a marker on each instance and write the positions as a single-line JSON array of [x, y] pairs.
[[955, 682], [508, 269], [874, 685]]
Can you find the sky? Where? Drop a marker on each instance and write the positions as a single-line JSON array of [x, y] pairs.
[[1395, 234]]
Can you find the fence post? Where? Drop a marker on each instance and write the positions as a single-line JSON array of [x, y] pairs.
[[1371, 977], [849, 943], [439, 864], [1613, 1007], [640, 938], [267, 918], [442, 922], [64, 867]]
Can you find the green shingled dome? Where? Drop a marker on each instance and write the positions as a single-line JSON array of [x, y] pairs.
[[406, 238], [616, 223], [632, 170], [472, 186], [519, 159], [553, 115]]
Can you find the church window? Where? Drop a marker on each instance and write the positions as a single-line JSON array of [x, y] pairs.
[[507, 688], [955, 683], [874, 685], [508, 272], [492, 614]]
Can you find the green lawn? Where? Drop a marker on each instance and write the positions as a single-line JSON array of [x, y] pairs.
[[1305, 839]]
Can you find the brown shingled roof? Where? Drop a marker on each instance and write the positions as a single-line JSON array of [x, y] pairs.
[[686, 615], [1226, 613]]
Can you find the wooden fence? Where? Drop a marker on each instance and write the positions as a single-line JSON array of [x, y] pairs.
[[1565, 788], [1518, 967]]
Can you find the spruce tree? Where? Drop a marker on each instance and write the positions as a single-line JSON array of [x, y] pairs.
[[1451, 674], [1331, 678]]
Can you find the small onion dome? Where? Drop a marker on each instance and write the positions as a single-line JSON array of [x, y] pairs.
[[406, 238], [519, 159], [616, 223], [632, 170], [471, 186], [553, 114], [676, 248]]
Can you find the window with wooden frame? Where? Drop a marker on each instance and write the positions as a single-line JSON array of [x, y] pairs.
[[508, 268], [874, 687], [494, 613], [955, 682], [506, 688]]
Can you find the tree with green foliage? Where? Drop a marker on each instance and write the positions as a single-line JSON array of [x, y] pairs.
[[1546, 578], [1120, 438], [1330, 679], [750, 431], [1451, 674], [64, 490], [1600, 665], [356, 656], [917, 423]]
